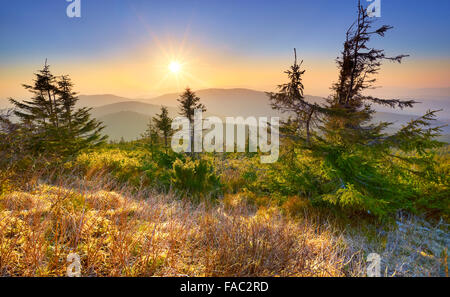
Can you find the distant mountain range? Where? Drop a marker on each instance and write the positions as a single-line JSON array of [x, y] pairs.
[[100, 100], [83, 100], [128, 125], [133, 106], [128, 118], [230, 102]]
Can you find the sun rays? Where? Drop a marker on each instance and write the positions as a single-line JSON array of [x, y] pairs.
[[174, 67], [175, 60]]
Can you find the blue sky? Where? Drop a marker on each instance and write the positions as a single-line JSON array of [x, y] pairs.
[[31, 30]]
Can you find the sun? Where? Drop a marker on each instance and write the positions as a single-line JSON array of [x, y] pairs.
[[174, 67]]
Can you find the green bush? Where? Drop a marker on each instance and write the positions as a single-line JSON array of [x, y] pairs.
[[195, 178]]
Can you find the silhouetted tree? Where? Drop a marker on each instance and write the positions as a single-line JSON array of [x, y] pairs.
[[81, 130], [290, 99], [364, 168], [353, 147], [164, 124], [357, 66], [51, 122], [189, 102]]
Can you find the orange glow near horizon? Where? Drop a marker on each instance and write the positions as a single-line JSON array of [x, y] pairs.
[[153, 57], [156, 70]]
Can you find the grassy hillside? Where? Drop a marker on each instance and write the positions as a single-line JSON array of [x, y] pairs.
[[135, 209], [104, 209], [145, 234]]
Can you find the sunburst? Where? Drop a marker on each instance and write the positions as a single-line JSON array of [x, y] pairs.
[[174, 61], [175, 67]]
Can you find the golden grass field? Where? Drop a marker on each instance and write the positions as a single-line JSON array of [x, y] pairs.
[[119, 232]]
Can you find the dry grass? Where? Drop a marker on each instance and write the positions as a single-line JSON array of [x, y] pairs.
[[145, 234], [120, 233]]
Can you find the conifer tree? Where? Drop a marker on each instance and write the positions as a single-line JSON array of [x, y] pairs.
[[51, 122], [81, 130], [290, 99], [189, 102], [354, 148], [38, 116], [151, 136], [363, 166], [164, 124], [357, 66]]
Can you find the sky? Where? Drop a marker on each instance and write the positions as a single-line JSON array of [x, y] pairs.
[[125, 47]]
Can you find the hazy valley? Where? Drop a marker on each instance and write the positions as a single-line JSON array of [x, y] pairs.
[[128, 118]]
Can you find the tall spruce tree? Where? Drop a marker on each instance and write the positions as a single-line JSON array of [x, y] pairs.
[[357, 152], [363, 166], [50, 120], [38, 116], [189, 102], [290, 99], [164, 124], [357, 66], [81, 130]]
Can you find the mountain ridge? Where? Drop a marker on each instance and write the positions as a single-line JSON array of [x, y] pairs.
[[128, 117]]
